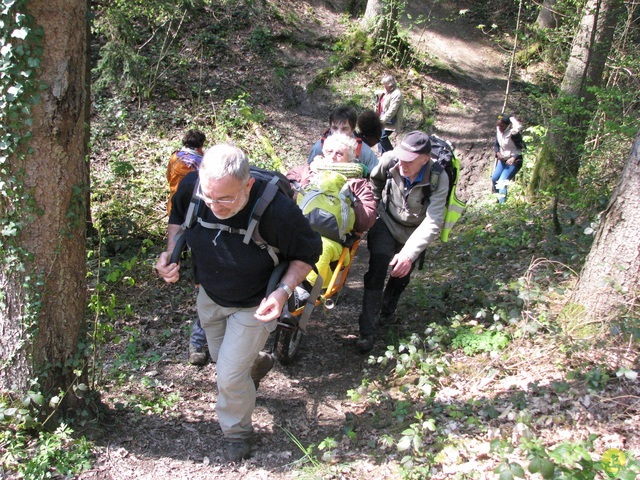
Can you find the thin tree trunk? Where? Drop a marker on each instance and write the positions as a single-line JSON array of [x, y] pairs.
[[372, 15], [560, 156], [547, 17]]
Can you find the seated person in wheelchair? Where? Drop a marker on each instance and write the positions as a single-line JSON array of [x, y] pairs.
[[336, 168]]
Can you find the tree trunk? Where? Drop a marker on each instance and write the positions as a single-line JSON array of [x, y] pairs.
[[547, 17], [51, 289], [380, 22], [372, 15], [608, 283], [560, 155]]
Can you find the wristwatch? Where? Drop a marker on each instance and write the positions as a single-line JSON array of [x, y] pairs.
[[286, 288]]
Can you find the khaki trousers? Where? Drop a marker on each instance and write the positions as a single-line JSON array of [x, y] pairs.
[[235, 338]]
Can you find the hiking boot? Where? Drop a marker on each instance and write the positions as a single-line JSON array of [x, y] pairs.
[[388, 319], [198, 355], [261, 366], [237, 450], [365, 343]]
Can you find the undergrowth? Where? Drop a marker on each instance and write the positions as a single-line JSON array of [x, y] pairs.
[[469, 326]]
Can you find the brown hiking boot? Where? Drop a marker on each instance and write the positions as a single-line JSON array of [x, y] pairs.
[[198, 356], [261, 366]]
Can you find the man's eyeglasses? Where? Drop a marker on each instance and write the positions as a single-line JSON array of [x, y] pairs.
[[211, 201]]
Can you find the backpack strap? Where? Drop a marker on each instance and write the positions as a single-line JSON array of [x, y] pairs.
[[435, 170], [387, 186], [253, 232], [180, 238]]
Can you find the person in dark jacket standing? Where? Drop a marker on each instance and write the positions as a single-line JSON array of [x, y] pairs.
[[411, 208]]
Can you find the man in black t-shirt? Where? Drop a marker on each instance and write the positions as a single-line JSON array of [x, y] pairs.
[[233, 308]]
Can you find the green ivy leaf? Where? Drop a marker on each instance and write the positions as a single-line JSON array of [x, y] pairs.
[[547, 468], [506, 475], [404, 444], [37, 398], [534, 466], [628, 475]]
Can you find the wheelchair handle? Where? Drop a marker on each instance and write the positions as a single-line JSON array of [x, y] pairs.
[[181, 241], [276, 276]]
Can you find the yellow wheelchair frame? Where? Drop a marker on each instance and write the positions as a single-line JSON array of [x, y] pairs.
[[293, 321]]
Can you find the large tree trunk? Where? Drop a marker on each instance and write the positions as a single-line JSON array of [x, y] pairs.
[[560, 156], [372, 14], [608, 282], [547, 17], [380, 22], [41, 317]]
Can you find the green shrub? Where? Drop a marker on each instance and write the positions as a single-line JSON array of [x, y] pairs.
[[472, 341]]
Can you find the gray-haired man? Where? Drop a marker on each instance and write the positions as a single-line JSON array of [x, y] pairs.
[[233, 308]]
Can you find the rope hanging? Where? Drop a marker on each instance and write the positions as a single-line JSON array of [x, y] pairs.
[[513, 56]]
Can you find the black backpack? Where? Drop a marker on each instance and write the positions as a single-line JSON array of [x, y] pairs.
[[274, 182], [442, 153]]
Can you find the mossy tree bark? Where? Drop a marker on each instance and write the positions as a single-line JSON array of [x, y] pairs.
[[559, 158], [380, 22], [547, 17], [372, 15], [609, 281], [52, 286]]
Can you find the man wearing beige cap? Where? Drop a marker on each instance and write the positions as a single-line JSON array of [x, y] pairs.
[[411, 190]]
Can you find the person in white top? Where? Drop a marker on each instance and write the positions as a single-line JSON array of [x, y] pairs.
[[508, 148]]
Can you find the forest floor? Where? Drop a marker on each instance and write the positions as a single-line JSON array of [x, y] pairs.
[[309, 397]]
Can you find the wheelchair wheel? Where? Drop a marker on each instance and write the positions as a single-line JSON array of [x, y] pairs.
[[288, 345]]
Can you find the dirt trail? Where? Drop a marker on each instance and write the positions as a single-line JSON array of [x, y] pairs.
[[476, 72], [308, 397]]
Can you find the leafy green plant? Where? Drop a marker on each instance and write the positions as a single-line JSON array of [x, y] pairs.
[[402, 409], [47, 454], [308, 455], [130, 60], [568, 460], [416, 463], [260, 39], [474, 341], [413, 354], [154, 402], [136, 353]]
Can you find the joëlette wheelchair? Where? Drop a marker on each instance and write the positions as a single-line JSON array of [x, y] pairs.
[[292, 324]]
